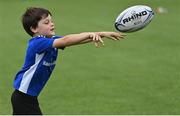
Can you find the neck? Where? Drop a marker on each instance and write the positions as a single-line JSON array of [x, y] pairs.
[[41, 35]]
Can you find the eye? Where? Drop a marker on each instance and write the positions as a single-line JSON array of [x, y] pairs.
[[46, 22]]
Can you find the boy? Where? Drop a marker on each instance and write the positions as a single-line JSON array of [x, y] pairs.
[[41, 55]]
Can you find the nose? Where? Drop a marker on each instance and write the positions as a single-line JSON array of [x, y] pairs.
[[52, 24]]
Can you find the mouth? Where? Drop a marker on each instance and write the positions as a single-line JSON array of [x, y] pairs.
[[52, 29]]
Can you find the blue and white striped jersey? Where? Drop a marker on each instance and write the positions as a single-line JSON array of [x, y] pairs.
[[39, 63]]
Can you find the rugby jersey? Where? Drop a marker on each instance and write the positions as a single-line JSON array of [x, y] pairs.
[[39, 63]]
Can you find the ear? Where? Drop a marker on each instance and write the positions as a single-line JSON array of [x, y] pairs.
[[34, 30]]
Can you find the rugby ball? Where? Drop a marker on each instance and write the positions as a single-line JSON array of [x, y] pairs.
[[134, 18]]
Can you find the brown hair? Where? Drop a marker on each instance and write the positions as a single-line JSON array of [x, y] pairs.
[[31, 18]]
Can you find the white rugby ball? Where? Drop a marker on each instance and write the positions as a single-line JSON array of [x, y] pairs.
[[134, 18]]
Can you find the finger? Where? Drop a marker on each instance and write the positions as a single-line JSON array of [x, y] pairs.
[[100, 40], [99, 43], [96, 44], [113, 38], [119, 34], [122, 34], [94, 37], [118, 38], [97, 38]]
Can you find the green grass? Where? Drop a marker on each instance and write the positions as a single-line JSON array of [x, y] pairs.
[[139, 75]]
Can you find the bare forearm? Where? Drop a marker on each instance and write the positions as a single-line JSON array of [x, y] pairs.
[[86, 41], [96, 37], [72, 39]]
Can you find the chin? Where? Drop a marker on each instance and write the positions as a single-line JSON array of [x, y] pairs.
[[50, 35]]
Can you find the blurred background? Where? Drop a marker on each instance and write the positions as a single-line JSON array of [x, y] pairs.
[[138, 75]]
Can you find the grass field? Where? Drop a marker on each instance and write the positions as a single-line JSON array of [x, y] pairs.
[[139, 75]]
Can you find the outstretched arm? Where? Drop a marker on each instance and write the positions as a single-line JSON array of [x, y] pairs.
[[74, 39], [96, 37]]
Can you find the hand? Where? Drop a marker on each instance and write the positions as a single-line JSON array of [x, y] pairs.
[[112, 35], [96, 38]]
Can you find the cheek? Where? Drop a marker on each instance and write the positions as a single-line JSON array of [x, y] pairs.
[[44, 29]]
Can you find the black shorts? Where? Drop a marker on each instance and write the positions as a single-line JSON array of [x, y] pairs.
[[24, 104]]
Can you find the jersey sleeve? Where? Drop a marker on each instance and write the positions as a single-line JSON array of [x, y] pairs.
[[43, 44], [59, 37]]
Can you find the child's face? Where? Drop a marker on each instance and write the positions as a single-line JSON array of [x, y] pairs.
[[45, 27]]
